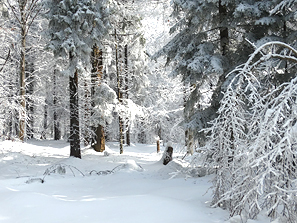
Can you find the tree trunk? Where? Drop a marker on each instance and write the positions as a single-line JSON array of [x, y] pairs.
[[224, 42], [98, 141], [188, 143], [121, 136], [13, 116], [120, 98], [99, 146], [57, 131], [45, 116], [158, 146], [141, 134], [22, 126], [30, 102], [86, 134], [74, 137], [127, 94], [224, 35]]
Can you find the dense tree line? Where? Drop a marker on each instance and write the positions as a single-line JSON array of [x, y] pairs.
[[83, 71], [78, 70]]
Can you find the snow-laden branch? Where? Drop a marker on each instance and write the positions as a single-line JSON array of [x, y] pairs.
[[249, 66], [8, 55], [252, 142]]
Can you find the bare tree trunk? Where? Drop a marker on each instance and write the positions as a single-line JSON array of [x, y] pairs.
[[22, 127], [30, 101], [74, 137], [13, 117], [57, 131], [188, 136], [100, 146], [127, 94], [224, 35], [86, 134], [98, 142], [224, 42], [120, 98], [45, 116]]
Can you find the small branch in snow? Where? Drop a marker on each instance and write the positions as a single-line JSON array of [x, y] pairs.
[[116, 169], [61, 169]]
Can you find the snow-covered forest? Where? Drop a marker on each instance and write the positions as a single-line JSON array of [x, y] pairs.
[[108, 91]]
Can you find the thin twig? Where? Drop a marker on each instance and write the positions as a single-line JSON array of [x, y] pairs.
[[5, 61]]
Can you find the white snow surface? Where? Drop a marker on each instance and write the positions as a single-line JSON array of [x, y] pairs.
[[139, 189]]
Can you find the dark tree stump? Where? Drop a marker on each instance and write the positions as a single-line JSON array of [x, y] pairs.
[[167, 155]]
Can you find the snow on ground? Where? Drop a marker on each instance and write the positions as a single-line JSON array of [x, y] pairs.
[[132, 187]]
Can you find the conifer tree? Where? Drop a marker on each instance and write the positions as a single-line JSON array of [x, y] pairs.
[[200, 48], [74, 27]]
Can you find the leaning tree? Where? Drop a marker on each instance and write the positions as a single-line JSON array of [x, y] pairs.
[[252, 141]]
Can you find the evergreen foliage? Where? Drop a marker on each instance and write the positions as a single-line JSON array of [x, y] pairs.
[[74, 27]]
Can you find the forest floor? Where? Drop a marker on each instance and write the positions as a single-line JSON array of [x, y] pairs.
[[40, 183]]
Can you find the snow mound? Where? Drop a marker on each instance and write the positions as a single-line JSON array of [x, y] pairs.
[[130, 165], [181, 168]]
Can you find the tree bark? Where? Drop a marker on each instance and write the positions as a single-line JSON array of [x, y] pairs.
[[29, 100], [45, 116], [86, 134], [57, 131], [74, 137], [100, 136], [127, 94], [158, 146], [224, 34], [224, 42], [120, 98], [22, 126], [98, 141]]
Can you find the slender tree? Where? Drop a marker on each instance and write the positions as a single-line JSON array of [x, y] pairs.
[[25, 13], [57, 131], [119, 92], [127, 93]]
